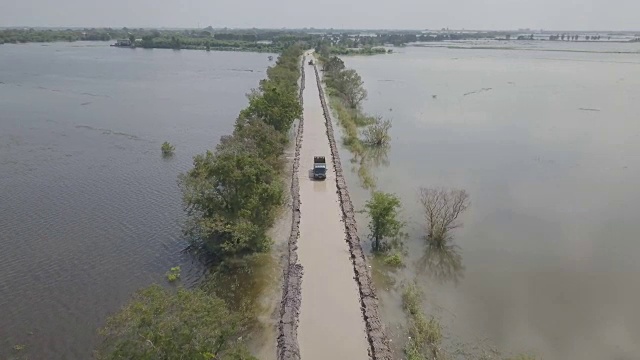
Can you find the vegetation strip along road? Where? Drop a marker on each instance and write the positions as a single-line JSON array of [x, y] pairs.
[[288, 348], [233, 195]]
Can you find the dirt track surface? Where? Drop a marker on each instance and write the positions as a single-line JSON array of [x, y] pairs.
[[330, 324], [329, 310], [287, 346]]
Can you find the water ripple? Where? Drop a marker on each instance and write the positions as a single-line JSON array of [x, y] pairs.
[[89, 209]]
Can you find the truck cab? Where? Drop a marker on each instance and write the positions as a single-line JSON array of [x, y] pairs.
[[319, 167]]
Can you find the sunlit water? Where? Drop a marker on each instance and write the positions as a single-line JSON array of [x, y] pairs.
[[89, 209], [547, 143]]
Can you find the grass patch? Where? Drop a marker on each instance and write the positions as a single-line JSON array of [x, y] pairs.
[[394, 259], [411, 297], [424, 334], [367, 180], [352, 121], [361, 132]]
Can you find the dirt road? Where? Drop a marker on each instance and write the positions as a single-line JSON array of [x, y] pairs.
[[330, 323]]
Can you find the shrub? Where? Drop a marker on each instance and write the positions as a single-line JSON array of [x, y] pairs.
[[167, 149], [394, 259], [425, 334], [173, 274], [377, 134]]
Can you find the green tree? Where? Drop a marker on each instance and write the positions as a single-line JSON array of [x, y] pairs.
[[350, 85], [276, 106], [383, 211], [259, 138], [231, 196], [161, 324], [324, 50], [176, 43], [334, 65], [280, 76], [147, 41]]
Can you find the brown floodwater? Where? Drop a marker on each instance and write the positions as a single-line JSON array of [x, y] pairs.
[[89, 209], [547, 143]]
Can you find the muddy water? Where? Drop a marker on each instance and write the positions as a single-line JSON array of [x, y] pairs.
[[330, 322], [547, 144], [89, 210]]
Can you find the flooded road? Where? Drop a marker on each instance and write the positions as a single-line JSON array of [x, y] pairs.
[[89, 209], [330, 323], [547, 143]]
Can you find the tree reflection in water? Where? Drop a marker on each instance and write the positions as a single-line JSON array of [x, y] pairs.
[[442, 262], [377, 155]]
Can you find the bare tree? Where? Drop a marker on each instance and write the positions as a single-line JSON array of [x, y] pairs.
[[377, 134], [442, 208]]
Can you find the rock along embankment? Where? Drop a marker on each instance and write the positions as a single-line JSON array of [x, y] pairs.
[[288, 348], [378, 342]]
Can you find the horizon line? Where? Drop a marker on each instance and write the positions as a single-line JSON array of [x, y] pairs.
[[528, 30]]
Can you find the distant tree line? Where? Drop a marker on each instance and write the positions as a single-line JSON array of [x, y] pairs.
[[206, 39], [342, 42], [238, 38], [16, 36]]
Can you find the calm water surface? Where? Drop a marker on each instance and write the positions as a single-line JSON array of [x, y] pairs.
[[89, 209], [547, 143]]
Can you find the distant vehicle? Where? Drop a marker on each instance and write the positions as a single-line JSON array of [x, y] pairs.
[[310, 62], [319, 167], [123, 43]]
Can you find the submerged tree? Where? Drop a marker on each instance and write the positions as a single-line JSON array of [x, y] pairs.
[[231, 198], [383, 210], [167, 148], [377, 134], [442, 208], [162, 324]]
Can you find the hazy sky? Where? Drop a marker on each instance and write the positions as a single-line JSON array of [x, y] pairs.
[[396, 14]]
